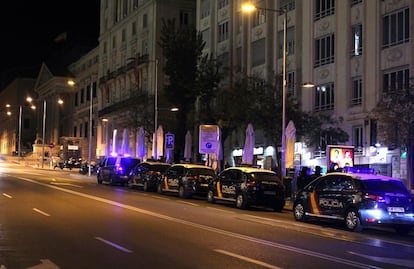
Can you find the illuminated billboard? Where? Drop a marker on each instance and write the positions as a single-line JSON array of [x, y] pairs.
[[339, 156]]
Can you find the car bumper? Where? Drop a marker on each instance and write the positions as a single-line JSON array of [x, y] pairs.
[[377, 216]]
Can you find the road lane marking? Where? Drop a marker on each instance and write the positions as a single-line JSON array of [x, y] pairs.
[[189, 203], [41, 212], [66, 184], [45, 264], [160, 197], [113, 245], [399, 262], [266, 265], [6, 195], [300, 251]]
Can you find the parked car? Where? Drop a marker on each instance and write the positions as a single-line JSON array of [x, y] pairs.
[[356, 199], [186, 180], [115, 170], [146, 175], [248, 186]]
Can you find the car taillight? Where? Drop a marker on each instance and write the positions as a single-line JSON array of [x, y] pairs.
[[374, 197], [191, 178], [252, 183], [154, 173]]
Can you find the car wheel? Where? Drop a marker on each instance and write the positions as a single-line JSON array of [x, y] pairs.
[[159, 188], [210, 197], [299, 212], [146, 187], [403, 229], [352, 221], [279, 205], [182, 192], [129, 184], [240, 201]]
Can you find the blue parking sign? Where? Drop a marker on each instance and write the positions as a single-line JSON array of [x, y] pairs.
[[169, 141]]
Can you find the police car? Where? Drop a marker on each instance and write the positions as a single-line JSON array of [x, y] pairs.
[[358, 199], [248, 186]]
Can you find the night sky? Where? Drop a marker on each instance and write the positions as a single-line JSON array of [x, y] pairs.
[[29, 28]]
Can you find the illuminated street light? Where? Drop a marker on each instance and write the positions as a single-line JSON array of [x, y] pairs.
[[30, 100]]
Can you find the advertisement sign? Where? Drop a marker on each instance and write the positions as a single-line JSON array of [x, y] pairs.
[[169, 141], [208, 139], [339, 156]]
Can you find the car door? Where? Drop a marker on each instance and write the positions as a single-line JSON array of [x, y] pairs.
[[329, 196], [107, 170], [172, 177], [227, 189]]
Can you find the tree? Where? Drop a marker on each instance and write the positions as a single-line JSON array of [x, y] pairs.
[[182, 49], [396, 124]]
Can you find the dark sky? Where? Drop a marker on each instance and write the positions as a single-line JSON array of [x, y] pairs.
[[28, 30]]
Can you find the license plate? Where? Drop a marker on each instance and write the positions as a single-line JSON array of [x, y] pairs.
[[269, 192], [396, 209]]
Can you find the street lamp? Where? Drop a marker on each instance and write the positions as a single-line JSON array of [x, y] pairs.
[[30, 100], [249, 7]]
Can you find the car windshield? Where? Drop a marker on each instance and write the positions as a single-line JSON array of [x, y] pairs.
[[128, 163], [385, 186], [201, 172], [159, 167], [257, 176], [111, 161]]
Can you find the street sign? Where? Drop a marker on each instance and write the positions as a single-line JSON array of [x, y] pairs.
[[208, 139], [169, 141]]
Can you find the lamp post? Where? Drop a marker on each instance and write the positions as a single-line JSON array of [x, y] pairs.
[[20, 129], [156, 110], [60, 102], [249, 7]]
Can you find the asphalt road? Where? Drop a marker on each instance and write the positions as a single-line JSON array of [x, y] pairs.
[[60, 219]]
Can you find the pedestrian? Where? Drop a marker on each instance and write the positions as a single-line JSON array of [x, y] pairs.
[[303, 178], [317, 173]]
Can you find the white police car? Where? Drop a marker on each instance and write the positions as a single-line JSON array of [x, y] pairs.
[[358, 199]]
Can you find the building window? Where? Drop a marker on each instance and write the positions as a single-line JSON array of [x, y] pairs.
[[82, 96], [223, 29], [135, 4], [222, 3], [287, 5], [94, 90], [88, 93], [324, 8], [144, 21], [145, 47], [355, 2], [290, 83], [114, 42], [356, 91], [396, 80], [123, 36], [134, 28], [357, 40], [205, 8], [80, 130], [75, 129], [290, 42], [125, 8], [259, 17], [206, 34], [396, 28], [184, 18], [357, 138], [258, 52], [325, 50], [86, 129], [324, 97], [76, 98]]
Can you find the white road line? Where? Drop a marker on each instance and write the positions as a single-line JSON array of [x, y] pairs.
[[41, 212], [160, 197], [66, 184], [6, 195], [113, 245], [399, 262], [266, 265], [189, 203]]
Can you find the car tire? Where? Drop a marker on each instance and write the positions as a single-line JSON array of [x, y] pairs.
[[279, 205], [299, 212], [241, 201], [129, 184], [146, 186], [210, 197], [182, 193], [353, 221], [403, 229], [159, 188]]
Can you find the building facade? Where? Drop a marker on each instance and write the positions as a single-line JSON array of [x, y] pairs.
[[352, 51], [131, 69]]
